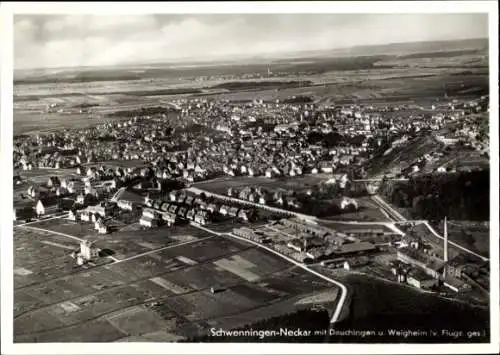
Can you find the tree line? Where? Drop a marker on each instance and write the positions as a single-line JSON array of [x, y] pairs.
[[459, 196]]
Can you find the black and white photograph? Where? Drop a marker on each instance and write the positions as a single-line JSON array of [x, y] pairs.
[[247, 174]]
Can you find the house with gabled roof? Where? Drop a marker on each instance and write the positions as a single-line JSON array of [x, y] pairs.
[[233, 212], [164, 206], [190, 214], [182, 212], [189, 200], [224, 210], [169, 218], [202, 217], [53, 182], [245, 215], [173, 208], [212, 207]]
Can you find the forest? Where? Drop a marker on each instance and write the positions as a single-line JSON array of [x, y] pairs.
[[459, 196]]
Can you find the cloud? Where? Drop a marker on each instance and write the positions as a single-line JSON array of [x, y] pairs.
[[81, 40]]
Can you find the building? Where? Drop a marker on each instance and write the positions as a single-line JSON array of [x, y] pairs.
[[169, 218], [148, 222], [102, 209], [88, 251], [125, 205], [430, 265], [72, 215], [182, 212], [456, 284], [173, 209], [40, 208], [355, 248], [86, 216], [127, 200], [315, 254], [421, 279], [202, 218], [335, 263], [85, 199], [53, 182], [65, 204], [244, 215], [190, 214], [150, 213], [353, 263], [101, 226], [233, 212], [24, 213]]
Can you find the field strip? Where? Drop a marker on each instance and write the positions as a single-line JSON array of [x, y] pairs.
[[119, 311], [343, 295], [41, 220], [101, 316], [53, 232], [236, 268], [79, 270], [58, 245], [160, 249], [47, 305]]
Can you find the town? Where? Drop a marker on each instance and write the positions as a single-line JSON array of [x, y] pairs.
[[249, 141], [326, 191]]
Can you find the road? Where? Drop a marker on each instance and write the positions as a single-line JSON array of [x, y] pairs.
[[46, 218], [308, 218], [436, 234], [117, 261], [380, 179], [343, 295], [52, 232], [400, 218], [393, 214]]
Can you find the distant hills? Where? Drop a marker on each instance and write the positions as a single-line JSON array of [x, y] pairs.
[[391, 49], [409, 48]]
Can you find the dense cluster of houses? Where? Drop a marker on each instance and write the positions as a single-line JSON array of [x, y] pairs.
[[257, 194], [418, 265], [303, 241], [252, 139]]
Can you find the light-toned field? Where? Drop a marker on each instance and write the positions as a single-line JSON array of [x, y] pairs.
[[155, 294]]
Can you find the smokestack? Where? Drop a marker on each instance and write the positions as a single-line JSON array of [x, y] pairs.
[[445, 239]]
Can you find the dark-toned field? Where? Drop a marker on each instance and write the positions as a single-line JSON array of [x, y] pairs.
[[383, 306], [157, 287]]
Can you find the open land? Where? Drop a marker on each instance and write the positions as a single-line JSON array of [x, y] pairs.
[[163, 294], [170, 283]]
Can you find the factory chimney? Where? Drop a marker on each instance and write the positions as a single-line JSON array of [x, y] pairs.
[[445, 239]]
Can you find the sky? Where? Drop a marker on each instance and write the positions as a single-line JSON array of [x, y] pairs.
[[49, 41]]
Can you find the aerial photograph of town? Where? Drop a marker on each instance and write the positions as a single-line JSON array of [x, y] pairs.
[[298, 178]]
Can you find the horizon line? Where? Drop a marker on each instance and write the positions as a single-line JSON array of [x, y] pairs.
[[247, 56]]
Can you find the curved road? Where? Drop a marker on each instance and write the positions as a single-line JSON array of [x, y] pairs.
[[343, 294], [400, 218]]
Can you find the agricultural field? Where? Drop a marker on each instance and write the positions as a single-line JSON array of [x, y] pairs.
[[172, 283], [370, 79], [156, 285], [298, 183], [471, 234]]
